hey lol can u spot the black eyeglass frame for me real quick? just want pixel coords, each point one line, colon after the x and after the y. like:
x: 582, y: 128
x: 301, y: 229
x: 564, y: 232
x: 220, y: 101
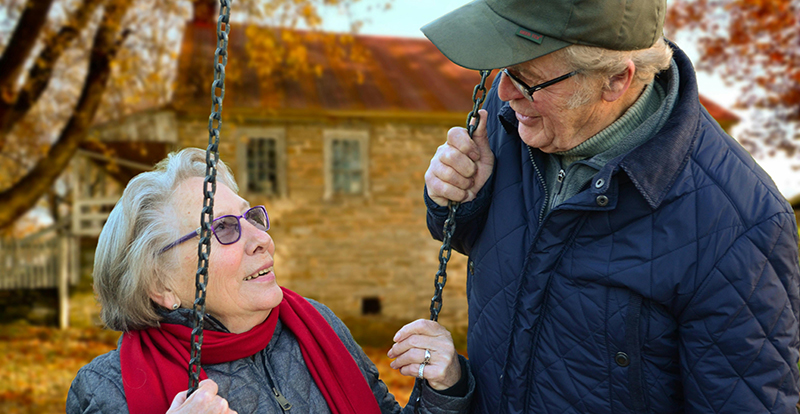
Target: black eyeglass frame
x: 528, y: 91
x: 196, y: 233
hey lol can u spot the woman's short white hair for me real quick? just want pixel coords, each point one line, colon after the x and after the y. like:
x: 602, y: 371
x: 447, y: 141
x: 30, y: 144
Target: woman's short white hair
x: 127, y: 263
x: 597, y: 65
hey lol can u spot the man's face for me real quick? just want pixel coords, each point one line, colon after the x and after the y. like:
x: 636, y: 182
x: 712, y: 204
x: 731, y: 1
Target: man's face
x: 549, y: 123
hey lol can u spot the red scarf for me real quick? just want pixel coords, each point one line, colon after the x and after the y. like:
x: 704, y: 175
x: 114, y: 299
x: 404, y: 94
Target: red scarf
x: 155, y: 360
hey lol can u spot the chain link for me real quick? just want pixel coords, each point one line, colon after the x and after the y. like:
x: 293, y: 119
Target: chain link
x: 450, y: 224
x: 209, y: 188
x: 452, y: 206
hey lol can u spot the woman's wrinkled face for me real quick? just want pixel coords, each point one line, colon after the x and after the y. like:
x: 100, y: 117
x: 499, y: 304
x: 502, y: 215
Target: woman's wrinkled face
x: 242, y: 289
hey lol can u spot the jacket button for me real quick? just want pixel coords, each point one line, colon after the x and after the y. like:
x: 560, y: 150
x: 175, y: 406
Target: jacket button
x: 601, y: 200
x: 622, y: 359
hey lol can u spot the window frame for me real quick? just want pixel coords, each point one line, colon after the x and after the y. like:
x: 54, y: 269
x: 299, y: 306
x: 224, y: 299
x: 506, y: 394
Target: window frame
x: 244, y: 135
x: 362, y: 137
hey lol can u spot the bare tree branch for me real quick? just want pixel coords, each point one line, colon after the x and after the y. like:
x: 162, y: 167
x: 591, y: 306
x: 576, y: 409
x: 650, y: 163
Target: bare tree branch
x: 41, y: 72
x: 23, y: 195
x: 20, y: 45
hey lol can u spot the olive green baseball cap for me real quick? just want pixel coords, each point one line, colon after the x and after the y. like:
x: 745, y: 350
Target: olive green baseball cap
x: 490, y: 34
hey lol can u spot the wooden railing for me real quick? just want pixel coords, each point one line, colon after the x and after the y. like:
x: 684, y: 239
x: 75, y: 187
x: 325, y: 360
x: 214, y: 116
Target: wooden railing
x: 44, y: 260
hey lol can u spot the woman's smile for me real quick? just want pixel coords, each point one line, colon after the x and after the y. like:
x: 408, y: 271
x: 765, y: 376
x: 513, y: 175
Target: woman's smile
x: 263, y: 275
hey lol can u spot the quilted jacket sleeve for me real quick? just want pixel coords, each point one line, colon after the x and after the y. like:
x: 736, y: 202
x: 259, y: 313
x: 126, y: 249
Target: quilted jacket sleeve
x: 470, y: 217
x: 739, y: 326
x: 97, y: 388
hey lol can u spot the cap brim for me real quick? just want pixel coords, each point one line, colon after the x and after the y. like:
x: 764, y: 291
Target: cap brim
x: 475, y: 37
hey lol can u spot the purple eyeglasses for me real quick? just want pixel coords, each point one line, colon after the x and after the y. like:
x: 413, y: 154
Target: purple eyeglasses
x: 228, y: 229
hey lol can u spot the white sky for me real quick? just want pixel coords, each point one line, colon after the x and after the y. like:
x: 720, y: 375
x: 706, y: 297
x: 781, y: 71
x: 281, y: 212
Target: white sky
x: 405, y: 17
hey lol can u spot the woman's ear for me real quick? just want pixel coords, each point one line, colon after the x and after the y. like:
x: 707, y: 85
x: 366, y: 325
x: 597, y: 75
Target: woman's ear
x: 619, y: 84
x: 164, y: 296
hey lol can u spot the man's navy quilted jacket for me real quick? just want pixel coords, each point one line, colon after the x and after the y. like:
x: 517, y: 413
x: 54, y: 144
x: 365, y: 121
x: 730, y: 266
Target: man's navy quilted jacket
x: 677, y: 295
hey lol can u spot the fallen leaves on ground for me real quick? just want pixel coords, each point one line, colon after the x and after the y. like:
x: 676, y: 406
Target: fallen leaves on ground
x: 400, y: 386
x: 37, y: 365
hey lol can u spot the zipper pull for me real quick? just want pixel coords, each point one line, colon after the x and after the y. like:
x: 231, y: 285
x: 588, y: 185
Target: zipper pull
x: 561, y: 175
x: 284, y: 403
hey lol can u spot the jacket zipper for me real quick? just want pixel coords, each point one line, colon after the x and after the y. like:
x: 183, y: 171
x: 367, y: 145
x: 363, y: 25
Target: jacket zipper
x: 284, y: 403
x: 280, y: 398
x: 544, y: 186
x: 543, y: 315
x: 557, y: 191
x: 540, y: 177
x: 546, y: 293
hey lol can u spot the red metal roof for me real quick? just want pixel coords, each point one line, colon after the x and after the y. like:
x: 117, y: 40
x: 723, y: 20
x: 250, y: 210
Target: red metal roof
x: 719, y: 113
x: 398, y: 74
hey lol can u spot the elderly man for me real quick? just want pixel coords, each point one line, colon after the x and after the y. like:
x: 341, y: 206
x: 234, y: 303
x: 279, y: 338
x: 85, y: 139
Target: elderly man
x: 625, y: 254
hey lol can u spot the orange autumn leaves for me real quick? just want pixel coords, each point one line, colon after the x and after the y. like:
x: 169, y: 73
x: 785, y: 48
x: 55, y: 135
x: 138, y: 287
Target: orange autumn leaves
x: 38, y: 364
x: 92, y: 67
x: 755, y: 44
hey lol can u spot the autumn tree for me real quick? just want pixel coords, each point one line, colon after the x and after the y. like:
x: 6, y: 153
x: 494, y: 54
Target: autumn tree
x: 66, y: 64
x: 755, y: 44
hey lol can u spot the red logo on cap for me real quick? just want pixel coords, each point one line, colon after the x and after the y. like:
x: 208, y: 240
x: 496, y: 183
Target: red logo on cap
x: 527, y: 34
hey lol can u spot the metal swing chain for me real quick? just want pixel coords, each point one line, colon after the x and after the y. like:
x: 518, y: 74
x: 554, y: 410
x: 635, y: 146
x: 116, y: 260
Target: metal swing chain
x: 452, y: 206
x: 450, y: 224
x: 209, y: 188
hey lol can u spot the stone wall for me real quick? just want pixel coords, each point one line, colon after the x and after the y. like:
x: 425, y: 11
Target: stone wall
x: 345, y: 249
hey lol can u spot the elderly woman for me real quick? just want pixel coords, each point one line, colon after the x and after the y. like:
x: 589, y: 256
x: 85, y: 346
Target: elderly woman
x: 265, y: 348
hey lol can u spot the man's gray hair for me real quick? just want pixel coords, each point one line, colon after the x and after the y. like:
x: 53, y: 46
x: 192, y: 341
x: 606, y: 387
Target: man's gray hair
x: 127, y: 263
x: 598, y: 65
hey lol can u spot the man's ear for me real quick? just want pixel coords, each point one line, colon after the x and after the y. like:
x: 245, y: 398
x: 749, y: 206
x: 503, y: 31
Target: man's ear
x: 619, y: 84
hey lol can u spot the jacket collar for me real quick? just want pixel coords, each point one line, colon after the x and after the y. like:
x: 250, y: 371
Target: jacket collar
x: 185, y: 317
x: 653, y: 166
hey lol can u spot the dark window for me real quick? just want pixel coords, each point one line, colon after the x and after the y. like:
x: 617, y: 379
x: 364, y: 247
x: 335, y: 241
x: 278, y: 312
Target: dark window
x: 262, y: 166
x: 347, y: 169
x: 371, y: 306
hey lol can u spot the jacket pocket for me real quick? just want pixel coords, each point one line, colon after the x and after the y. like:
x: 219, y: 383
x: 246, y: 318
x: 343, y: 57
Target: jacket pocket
x: 634, y: 347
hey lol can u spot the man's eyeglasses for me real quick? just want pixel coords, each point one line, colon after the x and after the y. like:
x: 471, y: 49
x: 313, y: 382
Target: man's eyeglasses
x: 528, y: 91
x: 228, y: 229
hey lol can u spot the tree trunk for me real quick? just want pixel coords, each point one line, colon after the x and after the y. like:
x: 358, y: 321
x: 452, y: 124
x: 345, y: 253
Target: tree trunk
x: 18, y: 48
x: 23, y: 195
x: 14, y: 105
x: 20, y: 45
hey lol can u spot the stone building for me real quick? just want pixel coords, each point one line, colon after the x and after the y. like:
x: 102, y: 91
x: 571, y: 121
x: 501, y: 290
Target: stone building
x: 337, y: 158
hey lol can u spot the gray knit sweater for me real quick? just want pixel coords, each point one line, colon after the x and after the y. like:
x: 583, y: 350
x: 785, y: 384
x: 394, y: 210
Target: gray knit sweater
x: 245, y: 383
x: 569, y: 172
